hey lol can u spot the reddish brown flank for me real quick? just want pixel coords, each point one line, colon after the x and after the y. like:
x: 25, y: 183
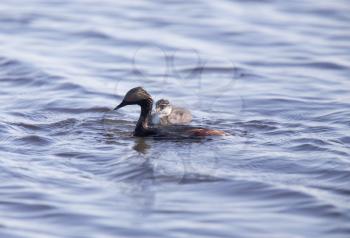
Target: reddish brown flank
x: 206, y: 132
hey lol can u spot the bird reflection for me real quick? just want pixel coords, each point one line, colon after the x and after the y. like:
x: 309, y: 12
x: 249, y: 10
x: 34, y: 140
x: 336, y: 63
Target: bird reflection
x: 141, y: 146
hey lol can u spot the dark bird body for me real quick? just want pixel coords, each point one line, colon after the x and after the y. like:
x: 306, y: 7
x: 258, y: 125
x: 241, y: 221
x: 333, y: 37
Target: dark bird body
x: 139, y: 96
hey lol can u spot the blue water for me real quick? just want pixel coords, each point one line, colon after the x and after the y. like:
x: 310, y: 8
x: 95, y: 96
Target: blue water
x: 273, y: 74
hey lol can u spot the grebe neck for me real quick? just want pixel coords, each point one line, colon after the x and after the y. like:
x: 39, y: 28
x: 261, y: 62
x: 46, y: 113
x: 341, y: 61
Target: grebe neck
x: 142, y: 128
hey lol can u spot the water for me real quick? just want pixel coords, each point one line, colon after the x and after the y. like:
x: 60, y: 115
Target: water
x: 274, y: 74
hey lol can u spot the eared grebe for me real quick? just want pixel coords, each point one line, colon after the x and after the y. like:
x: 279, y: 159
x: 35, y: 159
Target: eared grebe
x: 139, y: 96
x: 167, y: 114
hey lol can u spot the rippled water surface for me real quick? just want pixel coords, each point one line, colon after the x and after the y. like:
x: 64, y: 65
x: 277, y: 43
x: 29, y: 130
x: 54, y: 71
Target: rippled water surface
x: 273, y: 74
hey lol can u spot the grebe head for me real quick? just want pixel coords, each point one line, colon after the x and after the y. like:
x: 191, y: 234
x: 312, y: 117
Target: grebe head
x: 163, y: 107
x: 135, y: 96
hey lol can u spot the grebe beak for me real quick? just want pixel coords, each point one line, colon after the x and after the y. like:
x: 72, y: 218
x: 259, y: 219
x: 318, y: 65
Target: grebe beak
x: 122, y: 104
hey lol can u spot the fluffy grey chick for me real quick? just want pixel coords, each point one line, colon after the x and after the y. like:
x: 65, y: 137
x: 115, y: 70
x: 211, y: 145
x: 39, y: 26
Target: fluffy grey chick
x: 167, y: 114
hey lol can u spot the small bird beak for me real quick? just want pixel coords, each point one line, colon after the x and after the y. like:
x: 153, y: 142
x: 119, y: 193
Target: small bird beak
x: 122, y: 104
x: 157, y: 109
